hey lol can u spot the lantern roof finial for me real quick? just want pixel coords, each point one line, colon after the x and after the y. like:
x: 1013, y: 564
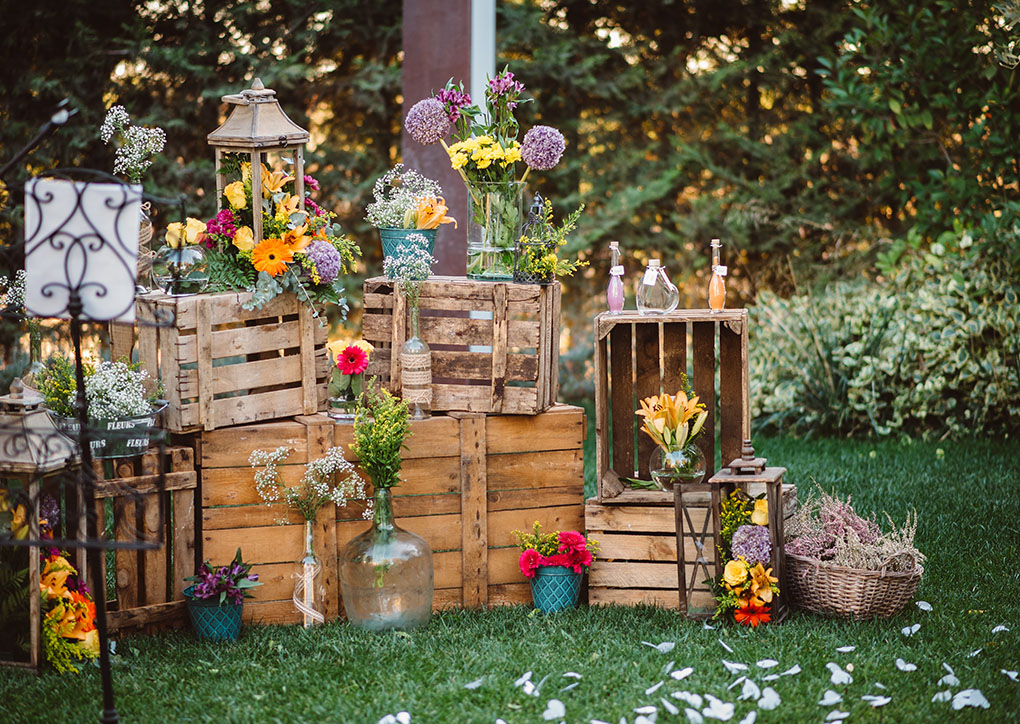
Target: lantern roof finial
x: 256, y: 121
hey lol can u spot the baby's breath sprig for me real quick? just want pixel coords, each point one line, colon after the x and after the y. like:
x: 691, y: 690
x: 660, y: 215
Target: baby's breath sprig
x: 138, y: 144
x: 411, y: 265
x: 329, y: 479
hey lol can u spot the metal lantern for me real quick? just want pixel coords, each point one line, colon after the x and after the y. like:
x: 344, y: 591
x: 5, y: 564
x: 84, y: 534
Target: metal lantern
x: 257, y: 126
x: 742, y: 472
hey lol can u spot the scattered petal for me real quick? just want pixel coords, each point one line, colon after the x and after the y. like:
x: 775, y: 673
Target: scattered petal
x: 970, y: 697
x: 879, y: 685
x: 529, y: 689
x: 668, y: 706
x: 1010, y: 674
x: 694, y: 716
x: 750, y: 690
x: 734, y: 667
x: 846, y: 649
x: 403, y: 717
x: 942, y: 696
x: 652, y: 689
x: 876, y: 701
x: 924, y: 605
x: 682, y: 673
x: 910, y: 630
x: 769, y: 699
x: 572, y: 675
x: 999, y: 629
x: 767, y: 663
x: 708, y: 626
x: 795, y: 669
x: 974, y: 653
x: 948, y: 668
x: 388, y: 719
x: 475, y: 684
x: 568, y: 687
x: 694, y: 700
x: 642, y: 719
x: 649, y: 709
x: 948, y: 680
x: 664, y: 648
x: 750, y: 718
x: 770, y: 677
x: 838, y: 675
x: 593, y: 721
x: 554, y: 709
x: 830, y: 698
x: 526, y: 676
x: 718, y: 709
x: 668, y: 667
x: 904, y: 666
x: 503, y: 721
x: 725, y: 645
x: 737, y: 682
x: 837, y: 715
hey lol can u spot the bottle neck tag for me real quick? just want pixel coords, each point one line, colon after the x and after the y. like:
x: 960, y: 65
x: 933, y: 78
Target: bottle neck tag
x: 649, y: 278
x: 616, y: 271
x: 721, y: 270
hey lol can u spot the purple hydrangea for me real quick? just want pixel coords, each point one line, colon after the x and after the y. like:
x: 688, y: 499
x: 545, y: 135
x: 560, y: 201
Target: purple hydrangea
x: 326, y: 260
x: 543, y: 147
x: 753, y: 543
x: 427, y: 121
x: 453, y: 100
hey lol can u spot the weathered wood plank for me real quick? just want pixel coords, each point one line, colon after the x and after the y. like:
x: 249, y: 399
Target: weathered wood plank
x: 622, y: 399
x: 184, y: 563
x: 474, y: 531
x: 647, y: 383
x: 703, y: 338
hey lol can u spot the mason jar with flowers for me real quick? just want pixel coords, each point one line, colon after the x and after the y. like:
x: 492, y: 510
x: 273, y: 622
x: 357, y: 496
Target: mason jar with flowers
x: 485, y: 153
x: 554, y: 564
x: 405, y: 203
x: 350, y: 360
x: 674, y: 422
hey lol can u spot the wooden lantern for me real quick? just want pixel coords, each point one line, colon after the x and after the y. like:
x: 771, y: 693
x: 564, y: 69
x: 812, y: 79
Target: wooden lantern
x: 257, y: 126
x: 740, y: 473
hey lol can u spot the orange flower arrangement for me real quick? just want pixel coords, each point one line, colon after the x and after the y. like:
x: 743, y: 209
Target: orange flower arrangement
x: 272, y: 256
x: 752, y: 615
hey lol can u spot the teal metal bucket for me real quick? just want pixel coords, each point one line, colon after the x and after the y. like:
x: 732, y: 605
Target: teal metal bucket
x: 555, y: 588
x: 210, y: 620
x: 392, y: 238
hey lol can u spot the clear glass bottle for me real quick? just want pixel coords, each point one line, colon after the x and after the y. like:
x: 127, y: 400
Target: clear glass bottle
x: 386, y: 574
x: 717, y: 285
x: 416, y: 372
x: 656, y: 294
x: 309, y: 592
x: 615, y: 293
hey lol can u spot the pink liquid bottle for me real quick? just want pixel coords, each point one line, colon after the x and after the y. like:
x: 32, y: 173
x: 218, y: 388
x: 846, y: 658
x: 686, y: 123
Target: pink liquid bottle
x: 614, y: 295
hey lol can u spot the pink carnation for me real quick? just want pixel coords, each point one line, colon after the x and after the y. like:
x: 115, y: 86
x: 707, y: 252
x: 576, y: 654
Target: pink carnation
x: 530, y: 560
x: 571, y: 541
x: 557, y: 559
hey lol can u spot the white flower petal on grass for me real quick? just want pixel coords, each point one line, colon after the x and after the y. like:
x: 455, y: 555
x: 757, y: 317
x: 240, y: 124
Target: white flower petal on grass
x: 838, y: 675
x: 846, y: 649
x: 403, y: 717
x: 770, y: 677
x: 718, y: 709
x: 970, y: 697
x: 830, y: 698
x: 694, y: 700
x: 388, y: 719
x: 750, y: 690
x: 682, y: 673
x: 910, y: 630
x: 942, y: 696
x: 725, y: 645
x: 529, y: 688
x: 734, y: 666
x: 707, y: 626
x: 526, y: 676
x: 649, y: 709
x: 751, y: 717
x: 923, y: 605
x: 876, y: 701
x: 795, y: 669
x: 1011, y: 674
x: 642, y: 719
x: 475, y: 684
x: 879, y: 685
x: 767, y: 663
x: 664, y: 648
x: 737, y: 682
x: 769, y: 699
x: 667, y: 668
x: 593, y: 721
x: 568, y: 687
x: 572, y: 675
x: 654, y: 688
x: 904, y: 666
x: 837, y: 715
x: 668, y: 706
x: 694, y: 716
x: 554, y: 709
x: 974, y: 653
x: 503, y: 721
x: 948, y: 680
x: 948, y: 668
x: 1001, y: 628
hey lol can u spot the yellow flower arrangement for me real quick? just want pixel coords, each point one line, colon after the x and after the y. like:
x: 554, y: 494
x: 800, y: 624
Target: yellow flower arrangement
x: 672, y: 421
x: 236, y: 195
x: 179, y: 233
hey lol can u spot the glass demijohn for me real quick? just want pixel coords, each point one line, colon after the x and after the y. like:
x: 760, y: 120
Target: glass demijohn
x: 678, y: 465
x: 656, y: 294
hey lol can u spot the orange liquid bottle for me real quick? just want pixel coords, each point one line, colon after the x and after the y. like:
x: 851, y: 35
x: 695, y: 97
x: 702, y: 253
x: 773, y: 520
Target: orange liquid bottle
x: 717, y: 286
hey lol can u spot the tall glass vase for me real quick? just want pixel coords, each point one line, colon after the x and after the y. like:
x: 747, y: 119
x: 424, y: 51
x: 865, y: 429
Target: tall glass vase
x: 386, y: 574
x: 416, y: 372
x: 494, y: 226
x: 308, y: 589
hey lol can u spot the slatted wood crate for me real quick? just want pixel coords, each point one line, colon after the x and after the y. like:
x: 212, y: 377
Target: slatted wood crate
x: 638, y: 562
x: 469, y: 481
x: 637, y: 356
x: 504, y: 363
x: 222, y: 365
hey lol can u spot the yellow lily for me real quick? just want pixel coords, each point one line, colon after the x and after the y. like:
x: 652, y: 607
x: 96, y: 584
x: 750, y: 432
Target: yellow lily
x: 295, y: 239
x: 53, y: 580
x: 431, y: 212
x: 273, y: 181
x: 761, y: 584
x: 288, y: 205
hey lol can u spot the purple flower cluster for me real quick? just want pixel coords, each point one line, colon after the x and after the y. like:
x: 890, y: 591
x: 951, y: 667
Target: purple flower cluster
x: 325, y: 259
x: 223, y: 224
x: 311, y: 183
x: 453, y: 100
x: 543, y: 147
x: 49, y: 515
x: 504, y: 83
x: 222, y: 582
x: 753, y: 543
x: 837, y: 523
x: 314, y: 208
x: 427, y: 121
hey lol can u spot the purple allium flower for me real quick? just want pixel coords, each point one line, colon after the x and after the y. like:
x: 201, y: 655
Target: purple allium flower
x: 453, y: 100
x: 427, y: 121
x: 311, y: 183
x: 504, y: 83
x: 752, y: 542
x: 326, y: 260
x: 543, y: 147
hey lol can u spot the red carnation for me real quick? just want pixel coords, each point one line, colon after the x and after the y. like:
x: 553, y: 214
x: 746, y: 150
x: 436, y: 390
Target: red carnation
x: 571, y: 541
x: 557, y: 559
x: 352, y: 361
x: 530, y: 560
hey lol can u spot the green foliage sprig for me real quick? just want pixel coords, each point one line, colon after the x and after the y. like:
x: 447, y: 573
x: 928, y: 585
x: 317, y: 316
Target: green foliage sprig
x: 546, y: 544
x: 56, y: 382
x: 539, y: 255
x: 381, y: 424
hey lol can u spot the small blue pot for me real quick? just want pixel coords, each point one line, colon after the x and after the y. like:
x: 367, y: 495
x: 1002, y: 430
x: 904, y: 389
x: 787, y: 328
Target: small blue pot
x: 555, y: 588
x: 392, y: 238
x: 210, y: 620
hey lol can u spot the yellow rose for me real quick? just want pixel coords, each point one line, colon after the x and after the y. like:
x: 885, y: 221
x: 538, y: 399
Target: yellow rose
x: 235, y: 195
x: 760, y: 516
x: 193, y: 229
x: 178, y: 233
x: 244, y: 239
x: 735, y: 573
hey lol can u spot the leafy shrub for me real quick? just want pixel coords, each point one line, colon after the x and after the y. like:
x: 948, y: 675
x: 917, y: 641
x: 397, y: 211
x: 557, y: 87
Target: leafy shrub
x: 932, y: 350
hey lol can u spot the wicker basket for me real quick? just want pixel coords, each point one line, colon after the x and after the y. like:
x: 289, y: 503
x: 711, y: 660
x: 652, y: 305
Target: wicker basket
x: 849, y: 592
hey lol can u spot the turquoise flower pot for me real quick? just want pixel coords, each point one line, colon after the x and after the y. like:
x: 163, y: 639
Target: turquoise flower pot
x: 392, y: 238
x: 555, y: 588
x: 210, y: 620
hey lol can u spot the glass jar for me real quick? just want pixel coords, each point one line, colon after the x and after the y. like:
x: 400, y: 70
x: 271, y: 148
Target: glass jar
x: 677, y: 465
x: 416, y: 372
x: 656, y: 294
x: 386, y: 574
x: 309, y: 593
x: 496, y: 215
x: 180, y: 271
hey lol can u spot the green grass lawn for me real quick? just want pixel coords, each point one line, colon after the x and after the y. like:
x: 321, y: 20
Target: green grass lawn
x: 967, y: 496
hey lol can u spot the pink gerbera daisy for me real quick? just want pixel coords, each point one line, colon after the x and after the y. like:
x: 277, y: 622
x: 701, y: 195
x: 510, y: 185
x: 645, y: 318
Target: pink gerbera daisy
x: 352, y: 361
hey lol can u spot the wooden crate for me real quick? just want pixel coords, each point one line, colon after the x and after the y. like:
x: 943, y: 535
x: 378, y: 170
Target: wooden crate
x: 638, y: 560
x: 222, y: 365
x: 469, y: 480
x: 637, y: 356
x: 505, y: 363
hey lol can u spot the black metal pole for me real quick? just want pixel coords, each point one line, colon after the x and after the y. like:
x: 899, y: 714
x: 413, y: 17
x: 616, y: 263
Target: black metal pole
x: 75, y: 308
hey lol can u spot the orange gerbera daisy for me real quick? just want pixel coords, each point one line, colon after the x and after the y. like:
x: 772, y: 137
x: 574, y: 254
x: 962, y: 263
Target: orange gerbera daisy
x: 752, y: 615
x: 272, y: 257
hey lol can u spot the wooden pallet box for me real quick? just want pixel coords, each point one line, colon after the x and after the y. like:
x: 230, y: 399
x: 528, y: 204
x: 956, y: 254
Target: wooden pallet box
x: 223, y: 365
x: 469, y: 480
x: 503, y: 363
x: 637, y: 356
